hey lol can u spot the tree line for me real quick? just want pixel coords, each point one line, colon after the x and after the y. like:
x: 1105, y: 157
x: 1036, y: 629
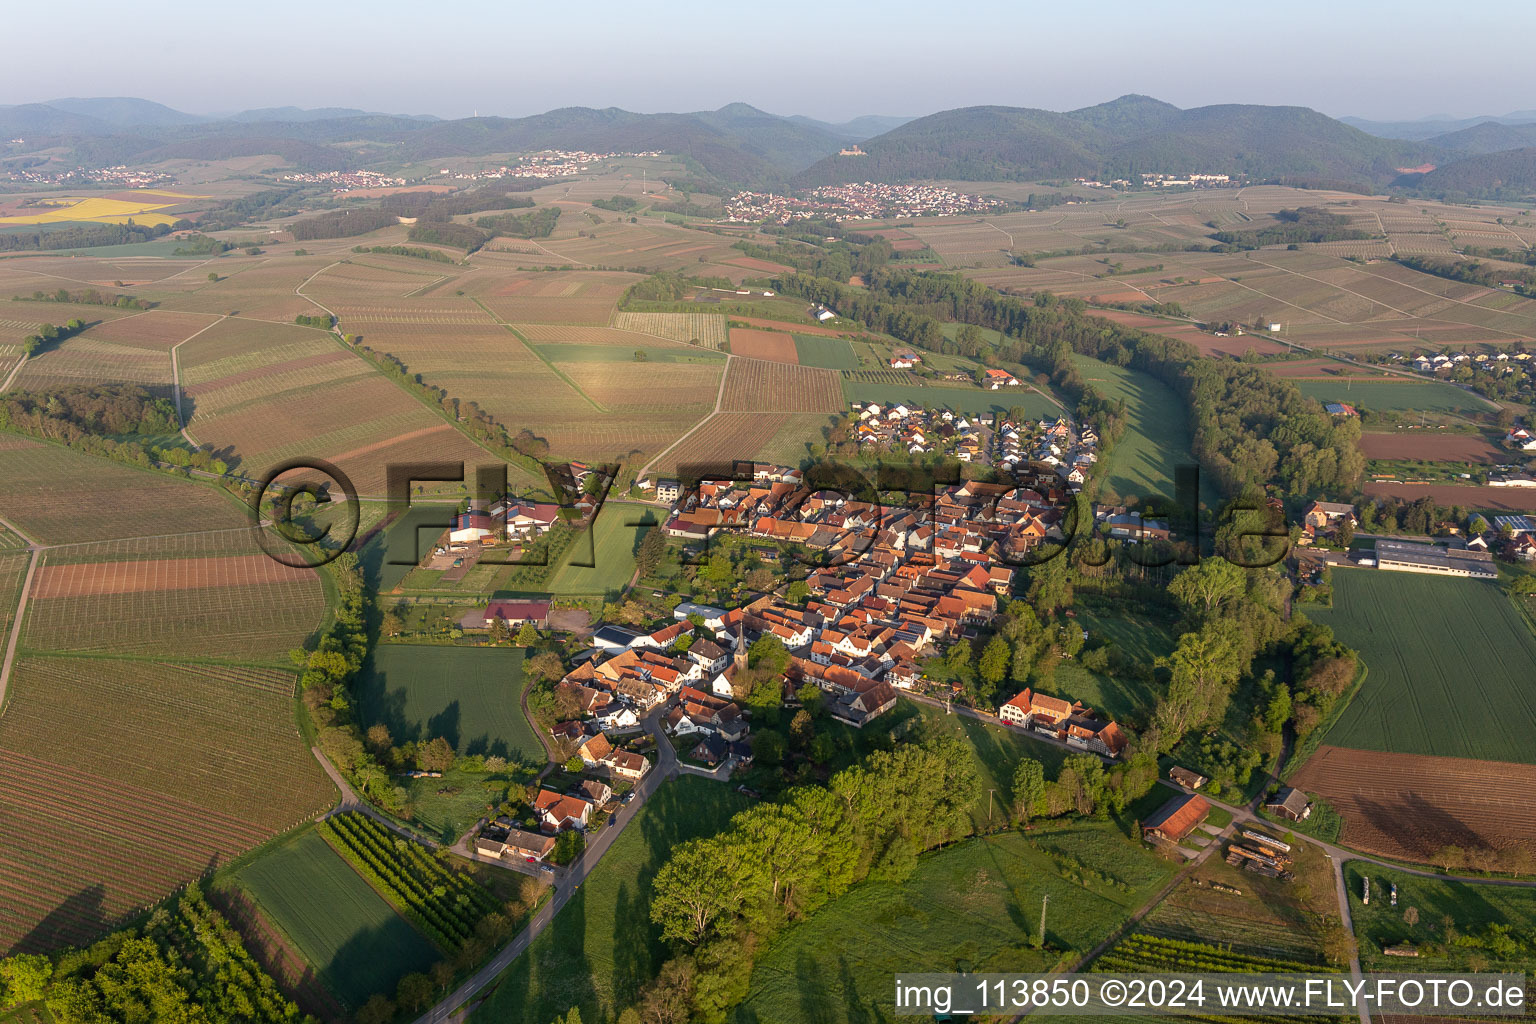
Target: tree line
x: 88, y: 297
x: 1303, y: 224
x: 1250, y: 428
x: 85, y: 236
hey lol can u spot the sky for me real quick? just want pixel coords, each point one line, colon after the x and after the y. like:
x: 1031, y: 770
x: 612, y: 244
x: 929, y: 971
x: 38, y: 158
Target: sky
x: 1367, y: 58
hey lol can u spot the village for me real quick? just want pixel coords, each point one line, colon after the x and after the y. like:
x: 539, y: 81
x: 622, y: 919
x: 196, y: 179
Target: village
x: 864, y: 201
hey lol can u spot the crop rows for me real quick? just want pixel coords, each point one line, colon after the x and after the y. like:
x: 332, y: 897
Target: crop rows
x: 444, y: 904
x: 226, y: 619
x: 1152, y: 954
x: 754, y: 385
x: 55, y: 495
x: 707, y: 328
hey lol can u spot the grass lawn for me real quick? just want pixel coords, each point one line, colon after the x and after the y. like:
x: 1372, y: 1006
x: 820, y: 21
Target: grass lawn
x: 601, y: 561
x: 997, y: 752
x: 1141, y: 638
x: 356, y: 942
x: 1451, y: 663
x: 602, y: 947
x: 969, y: 400
x: 467, y: 695
x: 827, y: 353
x: 1394, y: 395
x: 1471, y: 907
x: 1157, y: 436
x: 970, y: 907
x: 449, y: 806
x: 390, y: 558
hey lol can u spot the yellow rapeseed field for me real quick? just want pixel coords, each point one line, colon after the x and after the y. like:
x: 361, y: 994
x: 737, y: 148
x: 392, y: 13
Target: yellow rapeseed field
x: 100, y: 211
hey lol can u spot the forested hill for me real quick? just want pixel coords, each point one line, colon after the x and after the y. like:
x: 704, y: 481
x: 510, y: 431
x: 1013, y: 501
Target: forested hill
x: 1127, y: 136
x: 1487, y: 175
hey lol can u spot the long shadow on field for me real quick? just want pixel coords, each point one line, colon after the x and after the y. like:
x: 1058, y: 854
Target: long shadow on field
x: 74, y: 922
x: 633, y: 943
x: 445, y: 724
x: 860, y: 1011
x: 815, y: 997
x: 1433, y: 828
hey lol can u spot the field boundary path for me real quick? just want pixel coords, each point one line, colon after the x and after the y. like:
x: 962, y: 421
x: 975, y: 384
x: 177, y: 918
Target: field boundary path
x: 455, y: 1006
x: 719, y: 400
x: 176, y: 376
x: 351, y: 803
x: 10, y: 377
x: 36, y: 551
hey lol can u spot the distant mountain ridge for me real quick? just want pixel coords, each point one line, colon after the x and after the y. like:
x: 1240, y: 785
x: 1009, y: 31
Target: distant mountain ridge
x: 1429, y: 127
x: 739, y: 144
x: 1129, y: 135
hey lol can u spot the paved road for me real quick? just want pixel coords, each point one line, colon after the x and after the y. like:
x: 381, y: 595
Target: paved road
x: 455, y: 1006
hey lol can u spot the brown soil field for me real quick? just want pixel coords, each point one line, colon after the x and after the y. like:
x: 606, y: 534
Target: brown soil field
x: 1321, y: 369
x: 1447, y: 448
x: 756, y: 385
x: 1410, y: 806
x: 157, y: 329
x: 763, y: 345
x: 785, y: 325
x: 1511, y: 499
x: 161, y: 574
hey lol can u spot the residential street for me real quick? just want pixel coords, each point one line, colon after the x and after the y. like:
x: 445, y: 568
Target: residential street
x: 454, y: 1006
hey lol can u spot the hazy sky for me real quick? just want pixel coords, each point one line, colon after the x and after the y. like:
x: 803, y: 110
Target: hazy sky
x: 1406, y: 59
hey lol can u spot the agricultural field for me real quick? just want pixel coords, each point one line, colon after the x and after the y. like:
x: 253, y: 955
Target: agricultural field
x: 1157, y: 437
x: 558, y: 297
x: 171, y: 748
x: 256, y: 607
x: 148, y: 207
x: 443, y: 903
x: 1289, y: 920
x: 1410, y: 806
x: 470, y: 696
x: 13, y: 572
x: 1494, y: 499
x: 1399, y: 395
x: 827, y: 353
x: 273, y: 393
x: 727, y: 437
x: 54, y: 495
x: 756, y: 385
x: 602, y: 946
x: 1421, y: 638
x: 751, y: 343
x: 1470, y: 907
x: 969, y: 907
x: 355, y: 941
x: 708, y: 329
x: 1418, y: 444
x: 601, y: 560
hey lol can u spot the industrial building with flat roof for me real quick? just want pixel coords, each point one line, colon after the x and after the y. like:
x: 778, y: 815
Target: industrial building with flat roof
x: 1434, y: 560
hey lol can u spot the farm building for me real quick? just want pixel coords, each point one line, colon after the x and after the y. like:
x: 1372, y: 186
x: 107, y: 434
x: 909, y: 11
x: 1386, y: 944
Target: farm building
x: 1000, y: 379
x: 1177, y: 818
x: 904, y: 359
x: 515, y: 613
x: 1434, y: 560
x: 1290, y: 803
x: 472, y: 528
x: 1185, y: 777
x: 503, y: 840
x: 1343, y: 409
